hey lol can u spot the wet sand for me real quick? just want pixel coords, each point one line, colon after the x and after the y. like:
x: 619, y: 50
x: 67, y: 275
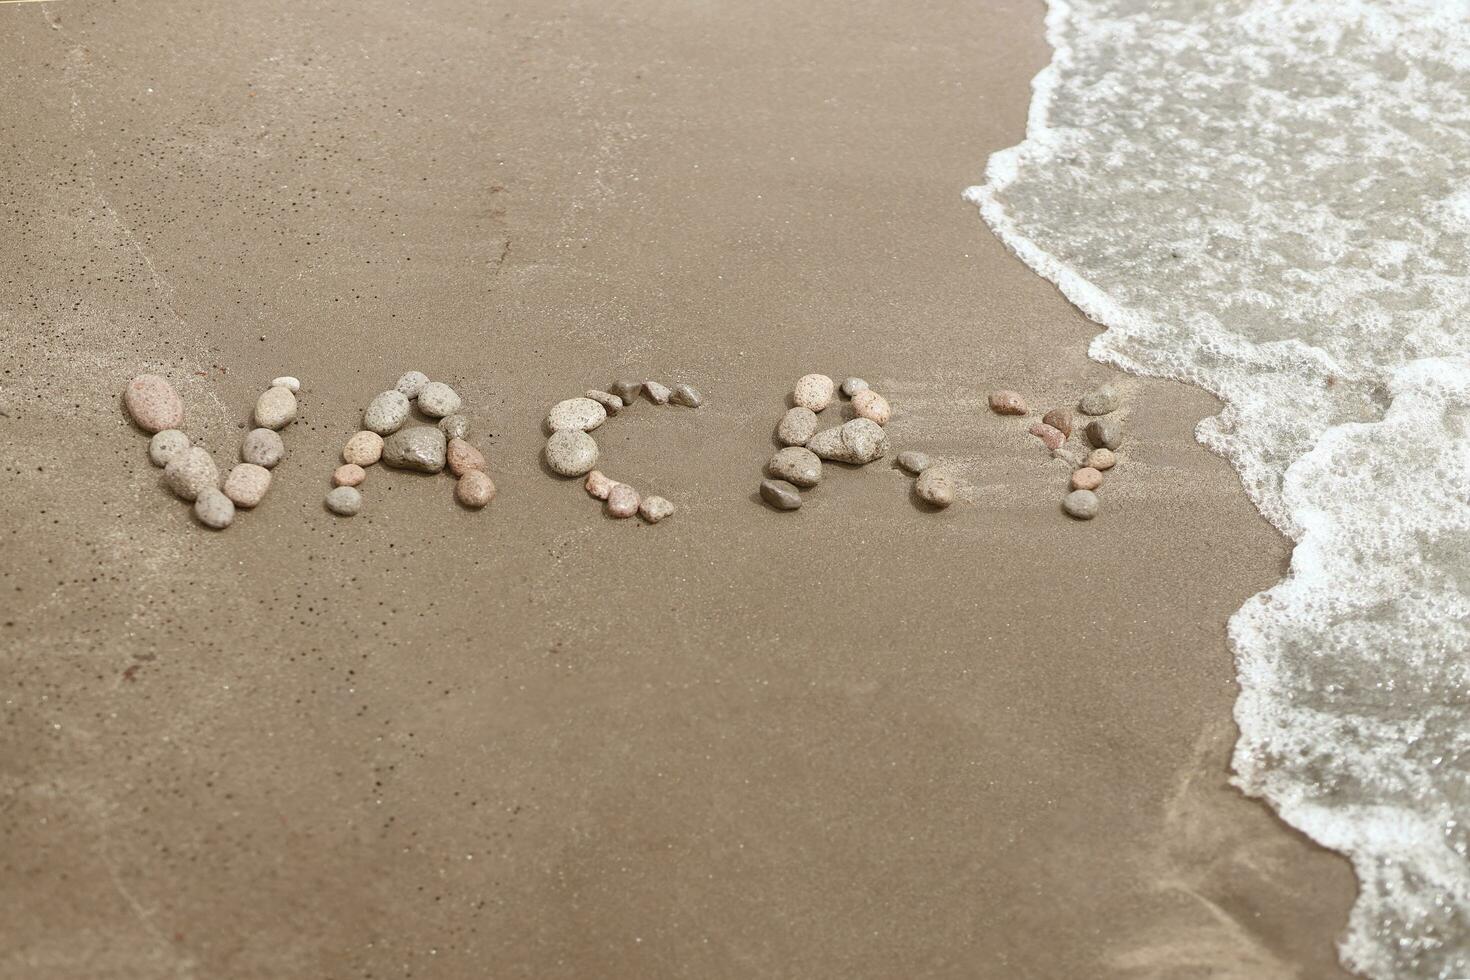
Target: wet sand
x: 857, y: 741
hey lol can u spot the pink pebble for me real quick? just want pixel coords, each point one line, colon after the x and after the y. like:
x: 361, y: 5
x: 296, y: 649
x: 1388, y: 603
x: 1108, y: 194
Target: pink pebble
x: 1048, y: 434
x: 153, y: 403
x: 348, y: 475
x: 1007, y: 403
x: 869, y: 404
x: 599, y: 485
x: 1086, y: 478
x: 474, y: 489
x: 622, y: 501
x: 463, y: 457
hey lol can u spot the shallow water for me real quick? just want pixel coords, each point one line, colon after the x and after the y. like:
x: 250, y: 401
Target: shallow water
x: 1271, y: 200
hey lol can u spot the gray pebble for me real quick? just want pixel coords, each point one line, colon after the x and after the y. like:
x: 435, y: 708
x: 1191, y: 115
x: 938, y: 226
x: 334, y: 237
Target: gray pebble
x: 626, y: 390
x: 191, y: 472
x: 437, y: 400
x: 797, y: 426
x: 419, y: 447
x: 571, y: 452
x: 612, y: 404
x: 1081, y: 504
x: 386, y: 413
x: 455, y: 426
x: 346, y: 501
x: 780, y: 494
x: 796, y: 465
x: 851, y: 386
x: 657, y: 393
x: 915, y: 462
x: 263, y: 447
x: 167, y: 444
x: 412, y: 383
x: 686, y: 394
x: 1100, y: 401
x: 1105, y: 433
x: 655, y: 509
x: 858, y: 441
x: 576, y: 413
x: 935, y: 487
x: 214, y: 509
x: 275, y: 408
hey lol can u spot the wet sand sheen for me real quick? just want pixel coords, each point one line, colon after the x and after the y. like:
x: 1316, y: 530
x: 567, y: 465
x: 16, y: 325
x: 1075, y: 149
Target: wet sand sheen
x: 856, y: 741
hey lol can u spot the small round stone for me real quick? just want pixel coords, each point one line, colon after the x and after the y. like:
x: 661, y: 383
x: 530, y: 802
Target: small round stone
x: 286, y: 381
x: 1100, y: 401
x: 345, y: 501
x: 1052, y: 437
x: 153, y: 404
x: 386, y: 413
x: 797, y: 465
x: 851, y: 386
x: 686, y: 394
x: 464, y: 458
x: 571, y: 452
x: 263, y: 447
x: 780, y: 494
x: 657, y: 393
x: 599, y: 484
x: 436, y: 400
x: 275, y: 408
x: 797, y: 426
x: 365, y: 448
x: 418, y: 447
x: 655, y: 509
x: 626, y: 390
x: 167, y: 444
x: 455, y: 426
x: 622, y: 501
x: 474, y: 489
x: 247, y: 483
x: 914, y: 461
x: 214, y: 509
x: 935, y: 487
x: 348, y: 475
x: 412, y: 383
x: 1059, y: 419
x: 813, y: 391
x: 870, y: 405
x: 190, y: 473
x: 1007, y: 403
x: 1105, y: 433
x: 1081, y: 504
x: 576, y: 413
x: 613, y: 404
x: 1101, y: 459
x: 1086, y: 478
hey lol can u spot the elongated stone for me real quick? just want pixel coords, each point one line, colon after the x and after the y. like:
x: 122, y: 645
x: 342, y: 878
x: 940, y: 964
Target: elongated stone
x: 153, y: 404
x: 419, y: 447
x: 780, y: 494
x: 796, y: 465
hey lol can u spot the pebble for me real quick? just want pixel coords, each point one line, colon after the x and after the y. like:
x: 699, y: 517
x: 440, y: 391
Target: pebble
x: 153, y: 403
x: 797, y: 426
x: 348, y: 475
x: 813, y: 391
x: 686, y: 394
x: 167, y: 444
x: 1105, y: 433
x: 286, y: 381
x: 612, y: 404
x: 1101, y: 459
x: 191, y: 472
x: 655, y: 509
x: 455, y: 426
x: 436, y: 400
x: 346, y: 501
x: 386, y: 413
x: 464, y: 458
x: 599, y: 484
x: 870, y: 405
x: 474, y: 489
x: 571, y: 452
x: 275, y: 408
x: 247, y: 483
x: 626, y: 390
x: 1081, y: 504
x: 1007, y: 403
x: 263, y: 447
x: 935, y: 487
x: 796, y: 465
x: 859, y: 441
x: 576, y: 413
x: 657, y: 393
x: 1086, y: 478
x: 1100, y: 401
x: 1059, y: 419
x: 851, y: 386
x: 622, y: 501
x: 365, y: 448
x: 780, y: 494
x: 412, y: 383
x: 915, y: 462
x: 419, y: 447
x: 214, y: 509
x: 1053, y: 437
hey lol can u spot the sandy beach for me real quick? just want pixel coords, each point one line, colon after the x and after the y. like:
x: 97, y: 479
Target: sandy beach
x: 861, y: 740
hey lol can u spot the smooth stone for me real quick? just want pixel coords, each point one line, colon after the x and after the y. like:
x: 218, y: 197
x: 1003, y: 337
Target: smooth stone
x: 622, y: 501
x: 247, y: 483
x: 1053, y: 437
x: 474, y: 489
x: 214, y: 509
x: 263, y: 447
x: 411, y: 384
x: 436, y: 400
x: 464, y: 458
x: 657, y: 393
x: 915, y: 462
x: 1086, y: 478
x: 1105, y: 433
x: 869, y: 404
x: 797, y: 465
x: 345, y: 501
x: 865, y: 440
x: 1101, y: 459
x: 419, y: 447
x: 153, y: 404
x: 1100, y: 401
x: 275, y: 408
x: 190, y: 473
x: 1081, y: 504
x: 813, y: 391
x: 851, y: 386
x: 1007, y: 403
x: 797, y: 426
x: 599, y: 484
x: 612, y: 404
x: 1059, y: 419
x: 626, y: 390
x: 655, y: 509
x: 780, y: 494
x: 348, y: 475
x: 576, y: 413
x: 686, y: 394
x: 935, y: 487
x: 286, y: 381
x: 386, y: 413
x: 571, y: 452
x: 167, y: 444
x: 455, y: 426
x: 365, y: 448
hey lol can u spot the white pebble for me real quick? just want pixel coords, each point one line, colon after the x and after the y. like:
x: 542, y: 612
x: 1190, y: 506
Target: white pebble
x: 165, y: 445
x: 412, y: 383
x: 214, y: 509
x: 437, y: 400
x: 286, y: 381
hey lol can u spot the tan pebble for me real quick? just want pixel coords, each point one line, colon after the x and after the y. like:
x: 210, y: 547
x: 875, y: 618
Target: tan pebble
x: 275, y: 408
x: 153, y: 404
x: 1059, y: 419
x: 348, y: 475
x: 622, y: 501
x: 655, y: 509
x: 1007, y: 403
x: 463, y: 457
x: 1086, y: 478
x: 935, y: 487
x: 813, y: 391
x: 474, y: 489
x: 599, y: 485
x: 214, y: 509
x: 363, y: 449
x: 190, y: 473
x: 869, y: 404
x: 247, y: 483
x: 1050, y: 435
x: 1101, y: 459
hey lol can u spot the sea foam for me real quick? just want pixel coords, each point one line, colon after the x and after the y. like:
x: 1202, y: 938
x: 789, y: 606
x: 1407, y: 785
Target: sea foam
x: 1271, y: 200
